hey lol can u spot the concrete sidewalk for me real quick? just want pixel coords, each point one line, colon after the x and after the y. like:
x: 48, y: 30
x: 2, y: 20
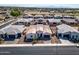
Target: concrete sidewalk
x: 31, y: 45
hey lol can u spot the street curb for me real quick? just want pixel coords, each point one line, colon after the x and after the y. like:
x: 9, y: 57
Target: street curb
x: 31, y: 45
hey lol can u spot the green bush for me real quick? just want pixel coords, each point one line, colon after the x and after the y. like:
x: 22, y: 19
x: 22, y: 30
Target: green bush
x: 15, y: 12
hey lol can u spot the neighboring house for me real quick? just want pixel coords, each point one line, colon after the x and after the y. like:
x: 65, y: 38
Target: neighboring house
x: 48, y: 16
x: 27, y: 16
x: 68, y: 17
x: 58, y: 16
x: 54, y: 21
x: 11, y: 32
x: 67, y: 32
x: 40, y: 21
x: 23, y: 21
x: 38, y: 16
x: 69, y: 21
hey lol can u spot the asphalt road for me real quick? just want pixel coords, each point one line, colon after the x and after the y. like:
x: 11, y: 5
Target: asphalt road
x: 4, y: 25
x: 40, y: 50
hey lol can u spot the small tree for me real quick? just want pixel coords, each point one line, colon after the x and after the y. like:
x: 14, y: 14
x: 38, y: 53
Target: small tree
x: 15, y: 12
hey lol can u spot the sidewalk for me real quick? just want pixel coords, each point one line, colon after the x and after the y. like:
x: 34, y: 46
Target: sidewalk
x: 32, y: 45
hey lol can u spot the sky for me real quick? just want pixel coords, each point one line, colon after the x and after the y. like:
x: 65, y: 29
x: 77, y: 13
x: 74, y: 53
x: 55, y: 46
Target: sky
x: 41, y: 3
x: 44, y: 5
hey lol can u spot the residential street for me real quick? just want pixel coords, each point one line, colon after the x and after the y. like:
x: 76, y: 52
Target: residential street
x: 40, y: 50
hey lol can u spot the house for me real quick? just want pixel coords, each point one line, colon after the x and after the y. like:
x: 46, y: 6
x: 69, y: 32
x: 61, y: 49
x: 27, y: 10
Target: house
x: 30, y: 34
x: 19, y: 29
x: 38, y: 16
x: 58, y: 16
x: 52, y: 21
x: 68, y: 17
x: 67, y: 32
x: 11, y: 32
x: 46, y: 32
x: 39, y: 31
x: 69, y: 21
x: 40, y: 21
x: 27, y: 16
x: 48, y: 16
x: 23, y: 21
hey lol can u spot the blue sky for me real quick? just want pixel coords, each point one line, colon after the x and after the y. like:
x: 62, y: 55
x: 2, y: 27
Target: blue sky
x: 44, y: 5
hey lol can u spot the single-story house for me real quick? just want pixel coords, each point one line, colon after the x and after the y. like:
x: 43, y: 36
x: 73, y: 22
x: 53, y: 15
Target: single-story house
x: 54, y: 21
x: 27, y: 16
x: 48, y: 16
x: 46, y: 32
x: 67, y: 32
x: 38, y: 16
x: 68, y: 17
x: 69, y: 21
x: 58, y: 16
x: 40, y: 21
x: 23, y: 21
x: 39, y: 31
x: 11, y: 32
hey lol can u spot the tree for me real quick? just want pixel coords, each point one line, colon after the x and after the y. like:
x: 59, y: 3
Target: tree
x: 15, y: 12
